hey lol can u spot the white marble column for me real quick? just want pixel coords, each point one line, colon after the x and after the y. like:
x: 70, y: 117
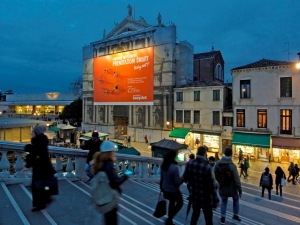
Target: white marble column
x: 130, y: 116
x: 146, y: 115
x: 151, y: 116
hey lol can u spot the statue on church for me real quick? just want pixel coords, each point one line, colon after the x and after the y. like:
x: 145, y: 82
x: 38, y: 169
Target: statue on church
x: 159, y: 19
x: 104, y: 33
x: 129, y: 10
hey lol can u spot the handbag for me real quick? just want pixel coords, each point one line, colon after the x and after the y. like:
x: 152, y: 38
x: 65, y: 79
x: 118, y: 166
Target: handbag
x: 161, y: 207
x: 103, y: 196
x: 50, y: 185
x: 283, y: 183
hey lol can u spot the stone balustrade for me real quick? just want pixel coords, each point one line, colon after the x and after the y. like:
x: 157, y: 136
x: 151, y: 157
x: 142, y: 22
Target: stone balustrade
x: 137, y: 167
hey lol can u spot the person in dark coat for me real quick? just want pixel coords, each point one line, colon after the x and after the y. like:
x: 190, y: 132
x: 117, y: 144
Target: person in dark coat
x: 203, y: 192
x: 170, y: 182
x: 38, y: 158
x: 268, y: 186
x: 240, y: 155
x: 104, y: 161
x: 292, y: 173
x: 279, y: 174
x: 93, y: 145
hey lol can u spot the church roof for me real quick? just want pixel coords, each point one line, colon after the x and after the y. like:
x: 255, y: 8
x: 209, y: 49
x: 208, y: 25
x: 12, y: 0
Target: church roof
x: 201, y: 83
x: 206, y: 55
x: 264, y: 63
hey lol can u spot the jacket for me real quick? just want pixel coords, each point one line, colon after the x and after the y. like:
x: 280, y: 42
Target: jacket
x: 279, y: 174
x: 270, y: 178
x: 93, y: 147
x: 199, y: 176
x: 234, y: 187
x: 170, y: 179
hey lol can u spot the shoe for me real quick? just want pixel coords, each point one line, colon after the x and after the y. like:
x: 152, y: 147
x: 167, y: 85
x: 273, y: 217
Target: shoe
x: 222, y: 220
x: 237, y: 218
x: 38, y: 208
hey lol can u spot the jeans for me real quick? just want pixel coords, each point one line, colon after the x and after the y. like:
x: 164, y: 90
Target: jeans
x: 175, y: 204
x: 236, y: 205
x: 293, y: 178
x: 87, y: 169
x: 208, y: 214
x: 111, y: 217
x: 263, y: 192
x: 280, y: 189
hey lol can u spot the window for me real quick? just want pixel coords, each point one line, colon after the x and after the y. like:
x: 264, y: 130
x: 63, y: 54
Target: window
x: 245, y: 88
x: 196, y: 117
x: 262, y: 118
x: 285, y: 87
x: 219, y: 72
x: 216, y: 117
x: 216, y: 95
x: 179, y: 116
x: 187, y: 116
x: 179, y: 96
x: 240, y: 117
x: 285, y: 121
x: 196, y: 96
x: 227, y: 121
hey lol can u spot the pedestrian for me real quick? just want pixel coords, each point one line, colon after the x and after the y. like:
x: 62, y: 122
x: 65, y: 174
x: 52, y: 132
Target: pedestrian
x: 203, y: 193
x: 93, y: 145
x: 217, y: 158
x: 297, y: 171
x: 125, y: 142
x: 128, y: 141
x: 292, y: 173
x: 104, y: 161
x: 229, y: 185
x: 266, y: 182
x: 146, y: 139
x: 279, y: 175
x: 246, y: 165
x: 240, y: 155
x: 170, y: 182
x: 212, y: 163
x: 242, y: 168
x: 38, y: 158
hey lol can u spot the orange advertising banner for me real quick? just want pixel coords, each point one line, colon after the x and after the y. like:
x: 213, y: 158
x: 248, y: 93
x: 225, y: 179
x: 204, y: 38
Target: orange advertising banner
x: 124, y: 78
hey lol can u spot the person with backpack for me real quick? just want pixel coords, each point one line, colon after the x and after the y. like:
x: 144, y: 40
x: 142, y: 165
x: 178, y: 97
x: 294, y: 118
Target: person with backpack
x: 229, y: 182
x: 266, y: 182
x: 203, y: 194
x: 279, y: 175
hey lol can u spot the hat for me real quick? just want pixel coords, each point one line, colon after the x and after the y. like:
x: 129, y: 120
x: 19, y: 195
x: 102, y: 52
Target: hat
x: 95, y: 134
x: 228, y: 152
x: 39, y: 129
x: 108, y: 146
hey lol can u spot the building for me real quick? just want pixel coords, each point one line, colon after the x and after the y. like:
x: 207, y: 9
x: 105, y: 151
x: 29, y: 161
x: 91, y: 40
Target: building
x: 266, y: 106
x: 128, y: 79
x: 203, y: 115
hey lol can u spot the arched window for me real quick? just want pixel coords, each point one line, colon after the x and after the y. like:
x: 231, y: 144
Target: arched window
x: 219, y: 72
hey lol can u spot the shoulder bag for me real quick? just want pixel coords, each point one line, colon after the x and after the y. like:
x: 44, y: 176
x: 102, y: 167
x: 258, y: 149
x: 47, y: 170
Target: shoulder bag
x: 161, y: 207
x: 283, y: 183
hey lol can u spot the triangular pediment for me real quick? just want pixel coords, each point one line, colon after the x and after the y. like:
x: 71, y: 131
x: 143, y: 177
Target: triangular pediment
x: 127, y: 25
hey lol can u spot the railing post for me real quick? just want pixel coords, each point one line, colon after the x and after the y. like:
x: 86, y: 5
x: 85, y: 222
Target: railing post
x: 79, y: 168
x: 144, y: 173
x: 19, y: 166
x: 4, y: 165
x: 70, y: 168
x: 58, y: 167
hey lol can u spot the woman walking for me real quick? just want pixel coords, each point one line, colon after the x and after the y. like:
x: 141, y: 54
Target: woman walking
x: 266, y: 182
x: 279, y: 175
x: 104, y: 161
x: 42, y: 169
x: 169, y: 185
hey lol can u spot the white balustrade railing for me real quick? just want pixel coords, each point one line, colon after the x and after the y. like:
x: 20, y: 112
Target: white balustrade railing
x: 137, y: 167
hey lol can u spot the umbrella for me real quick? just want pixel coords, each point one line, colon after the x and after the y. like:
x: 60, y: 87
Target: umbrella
x: 189, y: 206
x: 54, y: 128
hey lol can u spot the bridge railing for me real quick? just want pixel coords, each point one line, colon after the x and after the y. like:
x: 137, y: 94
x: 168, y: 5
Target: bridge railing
x: 137, y: 167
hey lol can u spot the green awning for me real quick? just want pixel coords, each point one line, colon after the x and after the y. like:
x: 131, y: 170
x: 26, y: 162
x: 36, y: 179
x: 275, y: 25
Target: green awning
x: 54, y: 128
x: 179, y: 132
x: 251, y: 139
x: 128, y: 151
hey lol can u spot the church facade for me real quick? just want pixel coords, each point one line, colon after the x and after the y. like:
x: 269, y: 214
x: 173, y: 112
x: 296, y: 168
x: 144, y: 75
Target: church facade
x: 135, y: 57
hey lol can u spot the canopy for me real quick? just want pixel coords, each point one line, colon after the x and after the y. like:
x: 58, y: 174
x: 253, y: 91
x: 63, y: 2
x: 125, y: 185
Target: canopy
x: 129, y: 151
x: 282, y: 142
x: 251, y: 139
x: 167, y: 144
x: 179, y: 132
x: 67, y: 127
x: 54, y: 128
x: 89, y: 135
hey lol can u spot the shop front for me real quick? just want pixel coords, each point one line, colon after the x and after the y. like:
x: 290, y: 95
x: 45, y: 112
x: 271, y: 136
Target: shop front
x: 181, y: 136
x: 255, y: 145
x: 286, y: 149
x: 210, y: 139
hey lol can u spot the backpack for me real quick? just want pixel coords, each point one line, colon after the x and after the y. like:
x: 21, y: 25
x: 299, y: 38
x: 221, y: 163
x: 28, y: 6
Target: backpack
x: 223, y: 174
x: 265, y: 180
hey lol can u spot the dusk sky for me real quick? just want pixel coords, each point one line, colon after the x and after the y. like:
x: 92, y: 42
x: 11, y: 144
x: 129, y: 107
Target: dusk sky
x: 41, y: 41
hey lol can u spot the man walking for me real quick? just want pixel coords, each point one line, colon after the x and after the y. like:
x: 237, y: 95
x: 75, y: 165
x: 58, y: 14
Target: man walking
x: 93, y: 145
x: 203, y: 192
x: 229, y: 184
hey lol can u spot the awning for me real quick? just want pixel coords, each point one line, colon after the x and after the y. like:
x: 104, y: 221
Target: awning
x: 129, y: 151
x: 179, y: 132
x: 209, y: 132
x: 89, y: 135
x: 54, y: 128
x: 281, y: 142
x: 251, y: 139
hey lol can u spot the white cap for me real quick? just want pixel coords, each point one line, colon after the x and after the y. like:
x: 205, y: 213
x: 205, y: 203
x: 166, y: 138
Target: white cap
x: 108, y: 146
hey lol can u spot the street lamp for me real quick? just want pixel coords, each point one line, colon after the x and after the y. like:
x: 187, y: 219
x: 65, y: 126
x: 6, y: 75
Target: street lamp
x: 168, y: 123
x: 298, y: 64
